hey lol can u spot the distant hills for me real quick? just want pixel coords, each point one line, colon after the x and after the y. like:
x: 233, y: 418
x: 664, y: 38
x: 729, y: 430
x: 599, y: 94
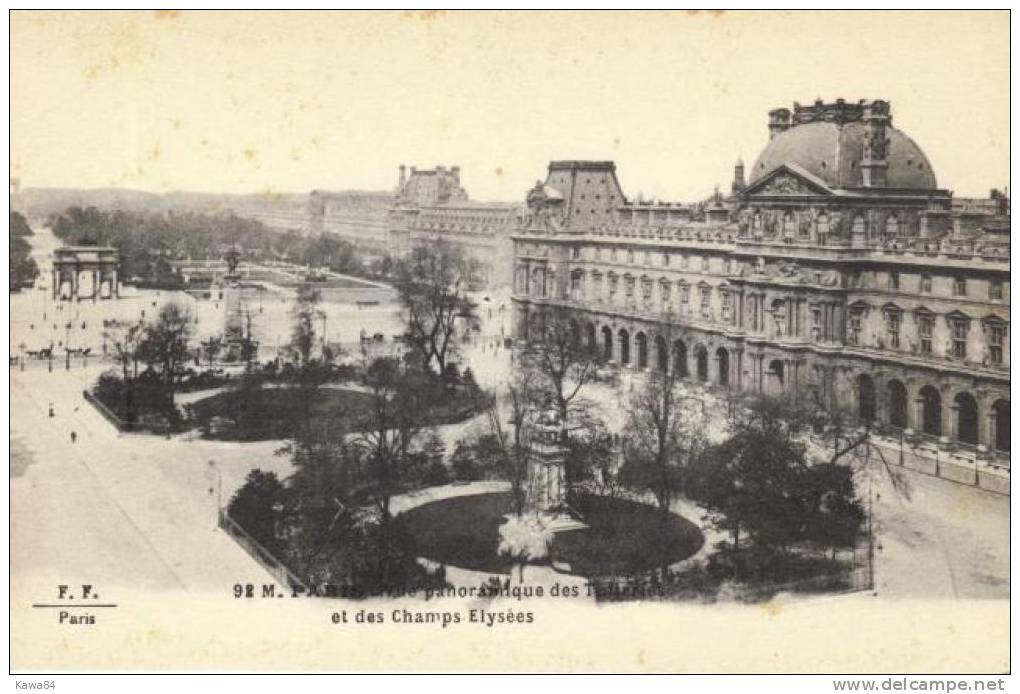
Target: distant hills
x: 41, y: 202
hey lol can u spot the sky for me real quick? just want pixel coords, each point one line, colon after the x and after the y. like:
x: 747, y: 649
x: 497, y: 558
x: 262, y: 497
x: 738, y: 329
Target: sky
x: 290, y: 102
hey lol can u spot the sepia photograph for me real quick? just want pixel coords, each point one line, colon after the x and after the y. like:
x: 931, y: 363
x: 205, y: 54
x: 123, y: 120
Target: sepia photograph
x: 511, y: 342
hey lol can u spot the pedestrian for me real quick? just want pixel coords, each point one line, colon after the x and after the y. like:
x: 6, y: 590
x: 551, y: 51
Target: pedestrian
x: 74, y: 436
x: 51, y: 410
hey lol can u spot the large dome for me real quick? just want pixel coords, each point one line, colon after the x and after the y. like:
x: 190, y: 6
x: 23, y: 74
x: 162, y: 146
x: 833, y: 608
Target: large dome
x: 833, y: 151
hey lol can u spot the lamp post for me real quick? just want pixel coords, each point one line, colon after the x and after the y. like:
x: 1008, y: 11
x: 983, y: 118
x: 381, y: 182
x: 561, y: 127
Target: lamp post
x: 214, y: 470
x: 67, y: 345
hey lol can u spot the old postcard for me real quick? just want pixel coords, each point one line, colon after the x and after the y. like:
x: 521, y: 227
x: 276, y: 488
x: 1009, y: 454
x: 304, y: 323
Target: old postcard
x: 510, y: 342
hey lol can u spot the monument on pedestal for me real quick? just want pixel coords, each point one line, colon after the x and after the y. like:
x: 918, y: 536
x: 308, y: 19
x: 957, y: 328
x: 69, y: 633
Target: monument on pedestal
x: 547, y: 474
x: 237, y: 331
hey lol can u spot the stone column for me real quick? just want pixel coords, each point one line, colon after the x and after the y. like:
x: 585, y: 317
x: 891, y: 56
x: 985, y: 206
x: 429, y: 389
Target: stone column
x: 991, y: 430
x: 918, y: 419
x: 950, y: 419
x: 881, y: 400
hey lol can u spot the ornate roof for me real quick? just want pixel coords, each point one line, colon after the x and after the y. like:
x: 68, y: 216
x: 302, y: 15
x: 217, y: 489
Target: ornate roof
x: 833, y: 151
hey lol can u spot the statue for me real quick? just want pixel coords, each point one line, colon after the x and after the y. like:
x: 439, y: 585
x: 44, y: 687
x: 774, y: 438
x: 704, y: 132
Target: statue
x: 233, y: 259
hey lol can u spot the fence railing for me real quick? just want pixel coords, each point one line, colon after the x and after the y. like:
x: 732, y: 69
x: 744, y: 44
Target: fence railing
x: 262, y: 555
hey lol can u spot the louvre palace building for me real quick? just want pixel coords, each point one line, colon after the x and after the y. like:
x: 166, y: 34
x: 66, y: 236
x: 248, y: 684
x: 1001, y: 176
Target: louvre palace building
x: 835, y: 266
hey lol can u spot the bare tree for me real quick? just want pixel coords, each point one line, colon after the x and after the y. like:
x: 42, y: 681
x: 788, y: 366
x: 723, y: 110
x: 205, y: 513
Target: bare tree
x: 400, y: 399
x: 665, y: 432
x: 665, y: 435
x: 306, y: 311
x: 125, y: 341
x: 562, y: 366
x: 212, y: 347
x: 432, y: 285
x: 513, y: 459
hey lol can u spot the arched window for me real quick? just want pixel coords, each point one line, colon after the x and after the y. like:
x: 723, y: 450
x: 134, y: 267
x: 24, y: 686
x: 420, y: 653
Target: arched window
x: 723, y: 358
x: 858, y: 225
x: 680, y: 359
x: 775, y: 378
x: 931, y: 411
x: 624, y: 338
x: 865, y: 398
x: 1000, y: 419
x: 897, y: 404
x: 642, y: 350
x: 701, y: 356
x: 966, y: 418
x: 607, y: 343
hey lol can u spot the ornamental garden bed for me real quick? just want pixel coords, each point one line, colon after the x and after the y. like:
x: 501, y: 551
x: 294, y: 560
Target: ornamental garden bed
x: 623, y: 538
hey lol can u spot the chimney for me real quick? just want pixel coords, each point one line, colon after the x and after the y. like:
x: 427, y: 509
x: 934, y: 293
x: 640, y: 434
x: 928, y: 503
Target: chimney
x: 874, y: 165
x: 455, y: 172
x: 738, y: 177
x: 403, y: 176
x: 779, y: 120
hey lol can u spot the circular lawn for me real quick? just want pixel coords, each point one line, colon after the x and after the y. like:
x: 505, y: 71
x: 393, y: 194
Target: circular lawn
x: 623, y: 538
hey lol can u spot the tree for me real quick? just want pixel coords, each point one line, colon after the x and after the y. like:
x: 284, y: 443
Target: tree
x: 432, y: 287
x: 165, y: 343
x: 126, y: 342
x: 560, y: 364
x: 306, y: 311
x: 23, y: 268
x: 211, y: 348
x: 328, y: 250
x: 19, y: 225
x: 513, y: 449
x: 839, y: 514
x: 665, y: 437
x: 759, y: 483
x: 400, y: 398
x: 256, y: 507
